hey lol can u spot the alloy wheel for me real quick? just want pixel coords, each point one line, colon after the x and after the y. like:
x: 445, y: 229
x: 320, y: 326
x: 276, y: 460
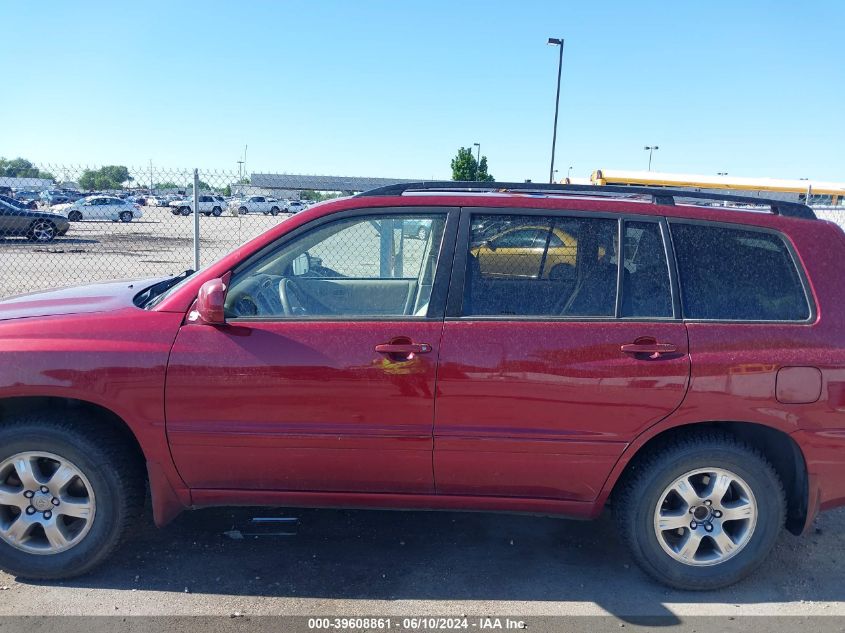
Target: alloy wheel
x: 705, y: 517
x: 43, y: 231
x: 47, y: 504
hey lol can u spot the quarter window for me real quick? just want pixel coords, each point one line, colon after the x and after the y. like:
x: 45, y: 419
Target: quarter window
x: 737, y: 275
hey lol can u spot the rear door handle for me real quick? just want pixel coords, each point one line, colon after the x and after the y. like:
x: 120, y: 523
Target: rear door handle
x: 650, y: 346
x: 403, y: 349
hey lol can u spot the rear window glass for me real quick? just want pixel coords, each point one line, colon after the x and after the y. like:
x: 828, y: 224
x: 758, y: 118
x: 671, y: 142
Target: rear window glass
x: 737, y: 275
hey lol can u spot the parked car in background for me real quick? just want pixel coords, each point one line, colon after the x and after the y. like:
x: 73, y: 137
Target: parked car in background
x: 51, y: 197
x: 36, y: 226
x: 157, y: 201
x: 257, y: 204
x: 208, y: 205
x: 25, y: 204
x: 27, y: 196
x: 101, y: 208
x: 416, y: 228
x: 295, y: 206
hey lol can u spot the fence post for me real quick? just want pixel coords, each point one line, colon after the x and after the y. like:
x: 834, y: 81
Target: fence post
x: 196, y: 220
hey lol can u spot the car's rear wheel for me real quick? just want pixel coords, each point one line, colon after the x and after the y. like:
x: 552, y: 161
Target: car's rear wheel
x: 42, y: 231
x: 69, y: 491
x: 217, y: 212
x: 185, y: 210
x: 701, y: 513
x: 74, y: 216
x: 125, y: 216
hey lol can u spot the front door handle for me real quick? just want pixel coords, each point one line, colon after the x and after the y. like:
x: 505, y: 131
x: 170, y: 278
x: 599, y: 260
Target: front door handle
x: 404, y: 349
x: 650, y: 346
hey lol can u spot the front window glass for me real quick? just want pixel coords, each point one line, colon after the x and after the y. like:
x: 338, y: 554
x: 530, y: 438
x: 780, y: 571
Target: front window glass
x: 381, y: 265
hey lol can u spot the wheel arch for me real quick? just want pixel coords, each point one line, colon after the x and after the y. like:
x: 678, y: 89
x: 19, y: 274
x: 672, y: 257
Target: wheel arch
x: 777, y: 446
x: 166, y: 501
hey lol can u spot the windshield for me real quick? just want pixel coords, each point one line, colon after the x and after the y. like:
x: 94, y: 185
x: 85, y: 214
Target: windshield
x: 153, y: 295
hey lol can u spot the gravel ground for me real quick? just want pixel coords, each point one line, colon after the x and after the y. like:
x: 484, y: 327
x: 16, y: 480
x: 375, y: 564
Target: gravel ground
x: 347, y: 563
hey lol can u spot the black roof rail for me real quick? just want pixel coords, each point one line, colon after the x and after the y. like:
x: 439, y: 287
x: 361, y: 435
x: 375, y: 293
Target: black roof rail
x: 659, y: 195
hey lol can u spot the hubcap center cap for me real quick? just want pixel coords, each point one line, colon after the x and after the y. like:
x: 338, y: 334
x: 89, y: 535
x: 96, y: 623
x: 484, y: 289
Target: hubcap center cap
x: 701, y: 513
x: 42, y: 501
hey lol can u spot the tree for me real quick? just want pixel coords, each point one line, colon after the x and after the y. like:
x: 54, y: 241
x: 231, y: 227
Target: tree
x: 108, y: 177
x: 21, y: 168
x: 466, y: 167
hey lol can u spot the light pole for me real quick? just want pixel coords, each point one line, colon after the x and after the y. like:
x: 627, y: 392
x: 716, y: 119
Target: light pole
x: 569, y: 172
x: 240, y: 171
x: 478, y: 160
x: 650, y: 149
x: 553, y: 41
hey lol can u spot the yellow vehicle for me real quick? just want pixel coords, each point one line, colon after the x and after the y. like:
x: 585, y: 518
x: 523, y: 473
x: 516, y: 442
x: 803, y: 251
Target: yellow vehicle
x: 519, y: 252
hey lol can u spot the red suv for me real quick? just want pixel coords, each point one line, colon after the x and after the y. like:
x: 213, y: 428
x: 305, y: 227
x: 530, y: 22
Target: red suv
x: 542, y: 349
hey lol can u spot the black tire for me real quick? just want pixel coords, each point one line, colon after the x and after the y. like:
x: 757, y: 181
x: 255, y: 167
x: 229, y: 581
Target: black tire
x: 217, y: 212
x: 637, y: 496
x: 185, y: 211
x: 74, y: 216
x: 42, y: 231
x: 422, y: 233
x: 114, y: 471
x: 242, y: 210
x: 274, y: 211
x: 126, y: 216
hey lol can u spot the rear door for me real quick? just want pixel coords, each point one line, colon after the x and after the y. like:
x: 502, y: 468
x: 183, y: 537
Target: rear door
x: 544, y: 379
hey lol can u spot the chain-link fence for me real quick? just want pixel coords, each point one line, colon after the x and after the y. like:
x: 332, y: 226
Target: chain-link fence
x: 62, y: 225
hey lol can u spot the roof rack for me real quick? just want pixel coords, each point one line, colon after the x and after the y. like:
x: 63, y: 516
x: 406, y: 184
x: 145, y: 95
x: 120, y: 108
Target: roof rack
x: 659, y: 195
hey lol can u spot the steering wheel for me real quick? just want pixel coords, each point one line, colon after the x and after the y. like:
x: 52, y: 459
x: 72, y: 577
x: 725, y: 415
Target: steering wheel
x: 288, y: 291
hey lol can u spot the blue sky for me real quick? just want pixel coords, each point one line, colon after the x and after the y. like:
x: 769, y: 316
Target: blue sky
x: 394, y: 88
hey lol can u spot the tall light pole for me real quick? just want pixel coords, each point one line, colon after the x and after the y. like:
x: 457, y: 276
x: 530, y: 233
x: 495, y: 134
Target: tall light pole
x: 650, y: 149
x: 477, y: 160
x: 569, y: 172
x: 553, y: 41
x: 240, y: 171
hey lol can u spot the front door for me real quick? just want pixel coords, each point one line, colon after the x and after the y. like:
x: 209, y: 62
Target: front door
x: 323, y: 377
x: 544, y: 379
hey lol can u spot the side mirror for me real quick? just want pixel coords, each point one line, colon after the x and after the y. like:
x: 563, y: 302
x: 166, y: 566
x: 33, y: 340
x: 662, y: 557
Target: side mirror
x: 210, y: 302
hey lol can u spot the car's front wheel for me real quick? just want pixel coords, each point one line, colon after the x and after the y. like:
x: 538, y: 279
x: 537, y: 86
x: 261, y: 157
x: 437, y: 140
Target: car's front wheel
x: 185, y: 210
x: 74, y: 216
x: 217, y: 212
x: 702, y: 512
x: 274, y: 211
x: 125, y: 216
x: 69, y: 491
x: 42, y: 231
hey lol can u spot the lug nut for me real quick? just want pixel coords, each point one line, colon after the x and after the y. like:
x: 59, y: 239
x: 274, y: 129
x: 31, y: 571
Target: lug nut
x: 44, y: 489
x: 708, y: 527
x: 30, y: 510
x: 55, y: 501
x: 693, y: 525
x: 28, y: 494
x: 707, y: 502
x: 717, y: 514
x: 48, y: 514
